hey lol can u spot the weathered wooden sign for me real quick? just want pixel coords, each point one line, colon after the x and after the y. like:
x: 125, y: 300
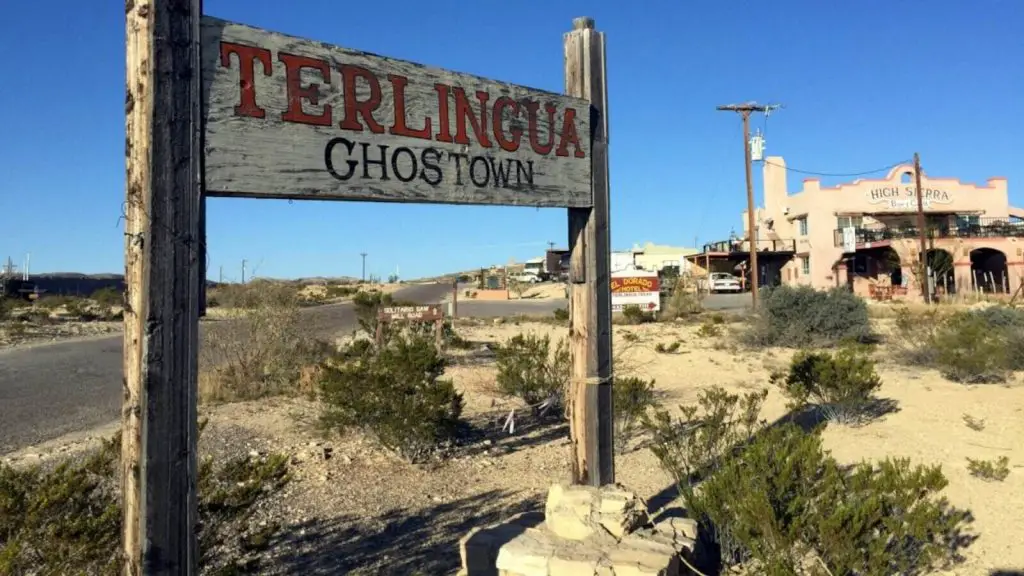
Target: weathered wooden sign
x: 215, y: 108
x: 293, y: 118
x: 411, y: 313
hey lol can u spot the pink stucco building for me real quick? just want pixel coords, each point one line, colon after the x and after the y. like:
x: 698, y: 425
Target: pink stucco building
x: 864, y: 234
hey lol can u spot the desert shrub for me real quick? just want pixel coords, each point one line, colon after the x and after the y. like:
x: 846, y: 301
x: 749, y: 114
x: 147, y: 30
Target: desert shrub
x: 529, y: 369
x: 682, y: 303
x: 636, y: 315
x: 973, y: 346
x: 561, y: 314
x: 668, y: 348
x: 967, y: 349
x: 453, y: 338
x: 51, y: 302
x: 67, y: 519
x: 801, y: 316
x: 783, y: 500
x: 108, y: 296
x: 340, y: 290
x: 1009, y: 322
x: 841, y: 385
x: 991, y: 470
x: 695, y: 444
x: 262, y: 354
x: 632, y: 397
x: 394, y: 393
x: 976, y: 424
x: 367, y: 307
x: 709, y: 330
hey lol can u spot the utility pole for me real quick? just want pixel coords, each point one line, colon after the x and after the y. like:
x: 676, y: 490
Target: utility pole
x: 925, y: 280
x: 551, y: 245
x: 744, y: 111
x: 220, y: 277
x: 363, y: 254
x: 243, y: 270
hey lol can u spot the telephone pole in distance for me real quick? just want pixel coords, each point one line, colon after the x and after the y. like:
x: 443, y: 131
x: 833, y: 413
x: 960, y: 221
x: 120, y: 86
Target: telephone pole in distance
x: 926, y: 289
x: 744, y: 111
x: 363, y: 254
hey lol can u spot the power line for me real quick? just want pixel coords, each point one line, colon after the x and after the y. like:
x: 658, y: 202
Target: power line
x: 836, y: 174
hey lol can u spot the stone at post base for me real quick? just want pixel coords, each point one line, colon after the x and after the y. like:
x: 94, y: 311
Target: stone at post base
x: 588, y: 531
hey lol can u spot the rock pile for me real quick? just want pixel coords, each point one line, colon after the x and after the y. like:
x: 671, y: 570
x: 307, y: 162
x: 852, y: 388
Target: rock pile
x: 583, y: 531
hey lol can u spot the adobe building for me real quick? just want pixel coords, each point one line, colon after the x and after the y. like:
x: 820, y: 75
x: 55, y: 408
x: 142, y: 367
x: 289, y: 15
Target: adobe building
x: 864, y: 234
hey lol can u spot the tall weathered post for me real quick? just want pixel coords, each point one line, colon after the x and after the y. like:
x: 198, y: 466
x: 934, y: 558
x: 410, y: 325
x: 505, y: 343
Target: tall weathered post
x: 590, y: 307
x: 162, y: 269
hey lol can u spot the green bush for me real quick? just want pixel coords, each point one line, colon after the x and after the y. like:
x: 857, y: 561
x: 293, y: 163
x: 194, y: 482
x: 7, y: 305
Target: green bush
x: 695, y: 444
x: 840, y: 385
x: 367, y: 307
x: 783, y: 497
x: 108, y: 296
x: 632, y: 398
x: 967, y: 349
x: 393, y: 392
x: 262, y: 355
x: 561, y: 314
x: 667, y: 348
x: 990, y: 470
x: 709, y: 330
x: 682, y: 304
x: 636, y: 315
x: 974, y: 346
x: 772, y: 498
x: 801, y: 316
x: 529, y: 369
x: 67, y: 520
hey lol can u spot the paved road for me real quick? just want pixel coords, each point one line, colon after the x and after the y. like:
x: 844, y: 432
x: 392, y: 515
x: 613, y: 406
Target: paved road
x: 727, y: 302
x: 50, y: 390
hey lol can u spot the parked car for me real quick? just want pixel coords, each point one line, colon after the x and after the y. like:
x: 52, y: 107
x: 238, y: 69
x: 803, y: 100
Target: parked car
x: 723, y: 282
x: 527, y: 277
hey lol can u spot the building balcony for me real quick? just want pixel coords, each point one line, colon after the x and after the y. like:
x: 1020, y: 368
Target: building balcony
x: 979, y: 228
x: 743, y: 246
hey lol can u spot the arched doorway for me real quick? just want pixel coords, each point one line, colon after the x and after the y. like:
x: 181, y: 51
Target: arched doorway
x: 941, y: 272
x: 988, y: 270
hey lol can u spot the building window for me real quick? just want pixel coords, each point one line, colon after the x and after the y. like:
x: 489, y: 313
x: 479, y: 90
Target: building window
x: 802, y: 224
x: 849, y: 222
x: 966, y: 221
x: 805, y: 265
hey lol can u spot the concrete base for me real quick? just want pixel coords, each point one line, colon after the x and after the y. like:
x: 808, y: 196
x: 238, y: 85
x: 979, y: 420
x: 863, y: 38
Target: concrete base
x: 577, y: 536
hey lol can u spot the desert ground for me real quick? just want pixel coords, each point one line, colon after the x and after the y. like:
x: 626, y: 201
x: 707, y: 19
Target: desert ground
x: 354, y: 509
x: 67, y: 321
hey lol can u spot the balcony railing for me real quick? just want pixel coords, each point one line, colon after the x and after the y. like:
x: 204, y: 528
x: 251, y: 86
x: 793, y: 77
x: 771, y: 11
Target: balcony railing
x: 744, y: 246
x: 982, y: 228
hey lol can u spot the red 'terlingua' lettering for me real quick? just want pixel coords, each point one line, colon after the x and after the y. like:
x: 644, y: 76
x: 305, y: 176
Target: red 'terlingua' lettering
x: 478, y: 117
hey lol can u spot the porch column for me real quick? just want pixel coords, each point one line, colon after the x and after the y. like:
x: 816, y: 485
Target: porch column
x: 842, y: 274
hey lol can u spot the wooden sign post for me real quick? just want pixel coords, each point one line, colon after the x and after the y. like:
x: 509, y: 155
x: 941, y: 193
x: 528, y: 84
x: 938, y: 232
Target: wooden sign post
x: 216, y: 108
x: 162, y: 266
x: 590, y: 306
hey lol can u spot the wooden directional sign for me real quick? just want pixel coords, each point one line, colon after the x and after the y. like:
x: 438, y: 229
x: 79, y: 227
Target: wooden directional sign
x: 293, y: 118
x: 412, y: 313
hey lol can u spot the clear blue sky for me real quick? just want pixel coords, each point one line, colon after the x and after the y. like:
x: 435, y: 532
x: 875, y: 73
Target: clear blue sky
x: 865, y: 84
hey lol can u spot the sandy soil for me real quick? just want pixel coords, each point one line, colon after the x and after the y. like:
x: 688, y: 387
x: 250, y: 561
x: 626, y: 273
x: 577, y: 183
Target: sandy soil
x: 545, y: 291
x: 353, y: 509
